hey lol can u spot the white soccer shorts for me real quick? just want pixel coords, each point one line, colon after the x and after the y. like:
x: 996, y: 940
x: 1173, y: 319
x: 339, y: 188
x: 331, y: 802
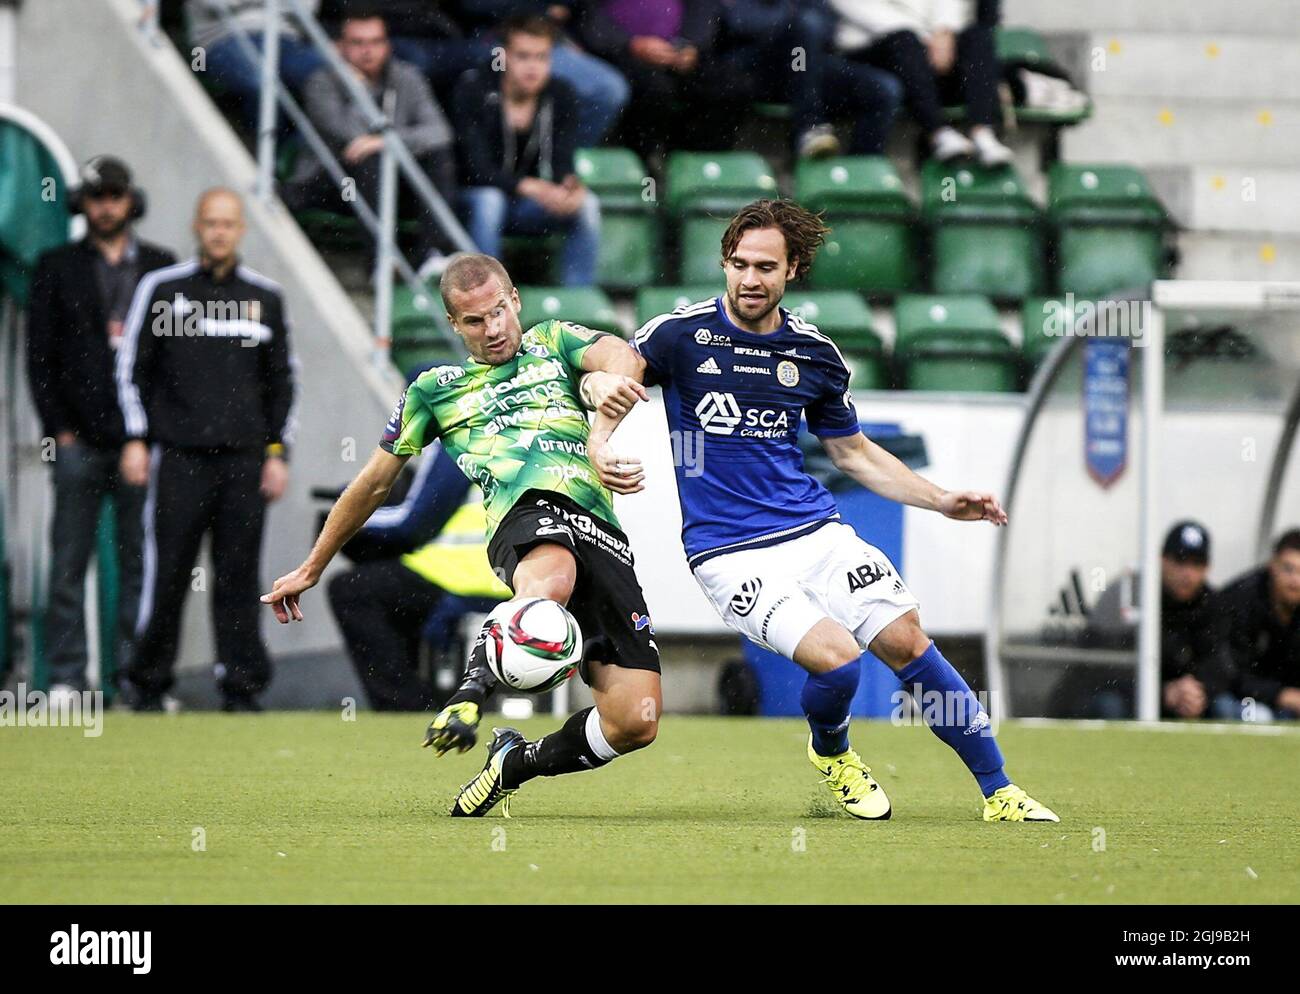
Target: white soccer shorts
x: 775, y: 595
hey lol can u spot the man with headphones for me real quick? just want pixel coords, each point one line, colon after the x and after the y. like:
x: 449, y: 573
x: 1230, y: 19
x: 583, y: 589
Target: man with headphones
x: 80, y: 295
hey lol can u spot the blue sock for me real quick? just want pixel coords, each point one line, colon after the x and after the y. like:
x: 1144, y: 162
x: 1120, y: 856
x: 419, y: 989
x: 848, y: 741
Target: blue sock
x: 827, y: 699
x: 953, y: 713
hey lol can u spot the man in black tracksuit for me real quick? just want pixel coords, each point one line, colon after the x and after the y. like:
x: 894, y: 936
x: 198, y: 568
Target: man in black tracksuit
x: 80, y: 294
x: 205, y: 378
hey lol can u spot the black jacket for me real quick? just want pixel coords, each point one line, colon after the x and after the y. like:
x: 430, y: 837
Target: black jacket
x: 1191, y: 642
x: 69, y: 358
x: 481, y: 132
x: 1266, y: 652
x: 206, y: 363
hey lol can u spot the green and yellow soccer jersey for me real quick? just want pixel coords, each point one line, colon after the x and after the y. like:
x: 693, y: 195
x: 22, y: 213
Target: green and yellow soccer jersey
x: 511, y: 427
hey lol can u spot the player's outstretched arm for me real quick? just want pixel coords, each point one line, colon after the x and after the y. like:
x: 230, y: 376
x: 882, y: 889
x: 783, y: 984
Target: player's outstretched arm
x: 349, y: 513
x: 884, y: 474
x: 612, y: 387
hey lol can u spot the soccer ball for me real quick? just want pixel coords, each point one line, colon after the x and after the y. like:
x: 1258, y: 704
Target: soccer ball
x: 533, y: 644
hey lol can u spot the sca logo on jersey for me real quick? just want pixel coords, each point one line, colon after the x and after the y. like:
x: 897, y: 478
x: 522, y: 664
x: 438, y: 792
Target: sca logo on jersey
x: 865, y: 575
x: 705, y: 337
x: 719, y: 414
x: 744, y: 599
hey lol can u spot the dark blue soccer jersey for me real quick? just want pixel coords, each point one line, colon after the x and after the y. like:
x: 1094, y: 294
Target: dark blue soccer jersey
x: 734, y: 401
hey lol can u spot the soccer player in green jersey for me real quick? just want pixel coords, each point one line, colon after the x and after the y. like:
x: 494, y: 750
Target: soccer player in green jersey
x: 512, y: 417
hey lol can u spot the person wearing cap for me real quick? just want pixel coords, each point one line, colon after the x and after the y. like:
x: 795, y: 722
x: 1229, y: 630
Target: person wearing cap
x: 80, y: 295
x: 1196, y: 672
x: 1262, y: 616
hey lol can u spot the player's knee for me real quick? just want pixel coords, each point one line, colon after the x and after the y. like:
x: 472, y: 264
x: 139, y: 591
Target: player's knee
x: 901, y: 642
x: 634, y: 731
x: 841, y: 651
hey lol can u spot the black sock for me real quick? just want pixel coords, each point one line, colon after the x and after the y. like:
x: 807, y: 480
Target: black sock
x: 563, y: 751
x: 478, y: 682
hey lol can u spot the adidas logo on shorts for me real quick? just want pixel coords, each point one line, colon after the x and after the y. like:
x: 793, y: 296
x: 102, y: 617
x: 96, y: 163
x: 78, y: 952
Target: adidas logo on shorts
x: 709, y: 366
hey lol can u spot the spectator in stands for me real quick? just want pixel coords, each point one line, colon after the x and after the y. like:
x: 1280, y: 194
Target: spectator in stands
x: 402, y: 93
x: 1196, y: 670
x: 421, y: 566
x: 663, y: 49
x: 205, y: 377
x: 224, y: 56
x: 1263, y: 624
x: 780, y: 51
x: 601, y: 89
x: 79, y: 299
x: 427, y: 34
x: 939, y: 49
x: 518, y: 137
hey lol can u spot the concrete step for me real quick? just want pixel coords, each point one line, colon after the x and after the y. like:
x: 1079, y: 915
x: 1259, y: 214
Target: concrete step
x: 1260, y: 17
x: 1255, y: 200
x: 1215, y: 255
x: 1153, y: 131
x: 1191, y: 66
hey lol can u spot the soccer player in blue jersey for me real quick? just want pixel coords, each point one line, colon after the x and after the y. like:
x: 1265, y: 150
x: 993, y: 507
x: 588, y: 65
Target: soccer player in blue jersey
x: 763, y: 537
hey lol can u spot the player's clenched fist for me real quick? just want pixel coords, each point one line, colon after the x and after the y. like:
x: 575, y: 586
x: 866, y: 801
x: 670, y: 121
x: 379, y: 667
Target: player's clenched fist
x: 621, y: 474
x: 612, y: 394
x: 284, y: 594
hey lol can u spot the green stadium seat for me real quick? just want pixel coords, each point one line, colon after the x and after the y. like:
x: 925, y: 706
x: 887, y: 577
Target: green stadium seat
x: 845, y: 319
x: 866, y: 184
x: 631, y: 253
x: 953, y: 343
x: 704, y: 190
x: 420, y: 331
x: 872, y: 247
x: 1041, y: 319
x: 1026, y: 47
x: 986, y: 232
x: 651, y: 301
x: 1111, y: 229
x: 717, y: 182
x: 616, y: 175
x: 418, y: 315
x: 700, y: 247
x: 406, y: 356
x: 585, y: 305
x: 630, y: 237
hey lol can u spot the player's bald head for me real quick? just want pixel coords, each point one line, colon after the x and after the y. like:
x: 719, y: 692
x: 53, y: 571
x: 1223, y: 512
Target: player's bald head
x: 466, y: 272
x: 219, y: 198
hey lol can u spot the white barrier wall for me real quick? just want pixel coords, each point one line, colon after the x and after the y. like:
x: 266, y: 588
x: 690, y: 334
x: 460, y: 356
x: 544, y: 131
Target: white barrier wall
x: 948, y: 564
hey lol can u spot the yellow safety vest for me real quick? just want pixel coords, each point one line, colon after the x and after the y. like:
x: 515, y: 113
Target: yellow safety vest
x: 457, y: 559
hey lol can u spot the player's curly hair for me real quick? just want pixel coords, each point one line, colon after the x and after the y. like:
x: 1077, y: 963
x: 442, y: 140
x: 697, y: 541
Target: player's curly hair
x: 804, y: 231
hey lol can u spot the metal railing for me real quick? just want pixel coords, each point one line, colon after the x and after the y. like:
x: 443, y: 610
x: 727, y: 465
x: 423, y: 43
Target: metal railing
x: 397, y: 159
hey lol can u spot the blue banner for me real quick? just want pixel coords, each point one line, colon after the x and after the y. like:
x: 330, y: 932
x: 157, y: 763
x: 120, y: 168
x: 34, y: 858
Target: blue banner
x: 1105, y: 408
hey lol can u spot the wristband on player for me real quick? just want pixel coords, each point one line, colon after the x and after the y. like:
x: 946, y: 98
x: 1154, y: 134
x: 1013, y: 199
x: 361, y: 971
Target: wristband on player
x: 584, y: 392
x: 276, y: 450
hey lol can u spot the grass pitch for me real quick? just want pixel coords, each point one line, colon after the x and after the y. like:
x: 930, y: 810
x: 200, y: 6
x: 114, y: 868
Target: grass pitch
x: 309, y: 808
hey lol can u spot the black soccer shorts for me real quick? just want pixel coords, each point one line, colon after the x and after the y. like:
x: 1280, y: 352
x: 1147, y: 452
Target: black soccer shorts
x: 607, y: 600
